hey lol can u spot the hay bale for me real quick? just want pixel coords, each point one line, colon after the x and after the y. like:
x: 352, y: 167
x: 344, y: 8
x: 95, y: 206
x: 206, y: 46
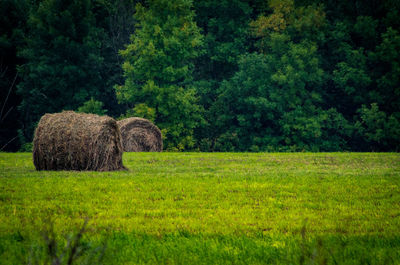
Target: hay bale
x: 140, y: 135
x: 77, y: 141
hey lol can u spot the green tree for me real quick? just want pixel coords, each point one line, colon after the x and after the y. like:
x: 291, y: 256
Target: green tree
x: 63, y: 61
x: 224, y: 24
x: 115, y: 18
x: 93, y: 106
x: 274, y: 101
x: 352, y: 80
x: 13, y: 17
x: 225, y: 27
x: 386, y: 58
x: 158, y: 69
x: 378, y: 131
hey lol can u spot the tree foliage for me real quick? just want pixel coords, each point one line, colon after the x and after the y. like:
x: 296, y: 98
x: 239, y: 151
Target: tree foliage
x: 237, y: 75
x: 93, y: 106
x: 13, y: 16
x: 62, y: 56
x: 158, y: 69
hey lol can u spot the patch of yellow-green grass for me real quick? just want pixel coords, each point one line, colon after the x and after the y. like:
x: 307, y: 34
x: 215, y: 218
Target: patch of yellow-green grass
x: 207, y: 195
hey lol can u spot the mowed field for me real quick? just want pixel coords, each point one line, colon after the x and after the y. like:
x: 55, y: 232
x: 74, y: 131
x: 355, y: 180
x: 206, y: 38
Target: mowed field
x: 205, y: 208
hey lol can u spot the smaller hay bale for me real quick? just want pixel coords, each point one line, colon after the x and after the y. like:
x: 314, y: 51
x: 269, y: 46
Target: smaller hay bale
x: 140, y: 135
x: 77, y: 141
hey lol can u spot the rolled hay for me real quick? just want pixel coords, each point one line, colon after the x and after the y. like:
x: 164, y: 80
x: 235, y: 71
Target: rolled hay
x: 77, y: 141
x: 140, y: 135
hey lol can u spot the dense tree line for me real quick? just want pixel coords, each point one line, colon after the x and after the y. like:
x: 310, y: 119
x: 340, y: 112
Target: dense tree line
x: 226, y: 75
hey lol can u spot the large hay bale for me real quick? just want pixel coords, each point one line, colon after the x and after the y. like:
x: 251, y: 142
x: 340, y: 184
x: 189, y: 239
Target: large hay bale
x: 140, y: 135
x: 77, y: 141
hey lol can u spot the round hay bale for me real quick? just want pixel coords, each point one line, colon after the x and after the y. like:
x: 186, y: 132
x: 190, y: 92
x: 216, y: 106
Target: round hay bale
x: 140, y: 135
x: 77, y: 141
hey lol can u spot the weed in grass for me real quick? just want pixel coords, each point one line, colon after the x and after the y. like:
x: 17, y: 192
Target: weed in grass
x: 72, y: 249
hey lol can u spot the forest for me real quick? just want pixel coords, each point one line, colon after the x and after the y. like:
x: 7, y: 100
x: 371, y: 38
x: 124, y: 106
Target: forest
x: 213, y: 75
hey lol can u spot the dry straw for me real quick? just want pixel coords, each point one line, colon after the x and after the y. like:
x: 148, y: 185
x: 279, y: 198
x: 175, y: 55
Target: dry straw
x: 77, y: 141
x: 140, y: 135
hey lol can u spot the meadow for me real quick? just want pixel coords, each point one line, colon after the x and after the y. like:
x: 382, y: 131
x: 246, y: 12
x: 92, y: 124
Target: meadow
x: 205, y: 208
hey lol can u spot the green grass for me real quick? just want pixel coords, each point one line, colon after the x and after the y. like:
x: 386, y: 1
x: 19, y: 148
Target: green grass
x: 219, y: 208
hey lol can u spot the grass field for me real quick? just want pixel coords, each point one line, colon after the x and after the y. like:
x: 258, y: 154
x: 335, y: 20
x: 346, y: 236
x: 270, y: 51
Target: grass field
x: 202, y: 208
